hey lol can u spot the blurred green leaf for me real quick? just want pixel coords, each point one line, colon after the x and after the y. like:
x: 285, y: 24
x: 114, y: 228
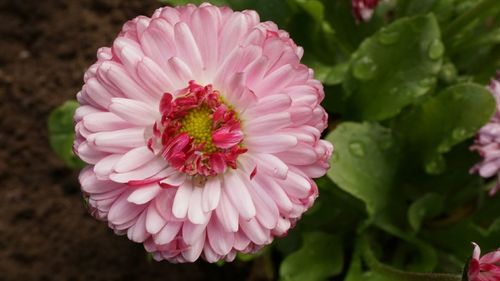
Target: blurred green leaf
x: 443, y: 121
x: 425, y: 207
x: 365, y: 163
x: 319, y: 257
x: 349, y: 34
x: 62, y: 133
x: 313, y: 7
x: 330, y: 75
x: 443, y: 9
x: 383, y: 272
x: 393, y: 68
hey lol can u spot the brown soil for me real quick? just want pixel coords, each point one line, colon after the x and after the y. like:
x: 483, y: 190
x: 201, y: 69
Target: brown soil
x: 45, y: 232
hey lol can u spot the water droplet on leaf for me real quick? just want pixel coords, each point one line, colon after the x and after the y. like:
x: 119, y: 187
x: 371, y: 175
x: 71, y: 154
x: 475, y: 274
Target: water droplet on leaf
x: 442, y: 148
x: 459, y: 133
x: 357, y: 149
x: 427, y: 82
x: 364, y: 68
x: 436, y: 166
x: 436, y: 49
x: 388, y: 37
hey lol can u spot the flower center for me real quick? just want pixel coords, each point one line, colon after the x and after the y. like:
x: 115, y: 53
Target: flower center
x: 198, y: 133
x: 198, y: 125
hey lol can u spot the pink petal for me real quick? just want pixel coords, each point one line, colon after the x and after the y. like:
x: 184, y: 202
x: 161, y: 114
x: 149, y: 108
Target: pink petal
x: 270, y: 143
x: 225, y: 138
x: 227, y: 214
x: 195, y: 212
x: 154, y: 221
x: 238, y: 194
x: 220, y: 240
x: 167, y: 233
x: 135, y: 112
x: 133, y: 159
x: 181, y: 200
x: 144, y: 194
x: 211, y: 194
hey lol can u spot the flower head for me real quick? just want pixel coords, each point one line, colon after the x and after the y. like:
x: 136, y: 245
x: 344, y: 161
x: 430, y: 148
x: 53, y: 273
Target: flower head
x: 202, y: 132
x: 487, y: 142
x: 485, y: 268
x: 363, y: 9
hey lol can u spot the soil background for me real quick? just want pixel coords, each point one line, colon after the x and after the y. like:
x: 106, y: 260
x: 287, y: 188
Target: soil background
x: 45, y: 231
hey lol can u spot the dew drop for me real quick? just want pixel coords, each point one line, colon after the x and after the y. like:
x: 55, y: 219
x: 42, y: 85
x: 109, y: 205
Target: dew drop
x: 448, y: 73
x: 427, y: 82
x: 459, y: 133
x: 436, y: 49
x: 436, y: 166
x: 442, y: 148
x: 357, y: 149
x: 388, y: 37
x: 364, y: 68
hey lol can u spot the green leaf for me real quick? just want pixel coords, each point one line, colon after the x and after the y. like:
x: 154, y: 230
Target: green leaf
x: 338, y: 14
x: 443, y: 121
x: 330, y: 75
x: 364, y: 163
x: 62, y: 133
x: 425, y: 207
x: 443, y: 9
x: 313, y: 7
x: 393, y: 68
x: 381, y: 271
x: 320, y: 257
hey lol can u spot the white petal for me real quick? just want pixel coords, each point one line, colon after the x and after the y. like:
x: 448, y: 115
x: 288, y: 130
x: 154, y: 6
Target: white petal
x: 211, y: 194
x: 181, y: 200
x: 238, y: 193
x: 195, y: 211
x: 227, y: 214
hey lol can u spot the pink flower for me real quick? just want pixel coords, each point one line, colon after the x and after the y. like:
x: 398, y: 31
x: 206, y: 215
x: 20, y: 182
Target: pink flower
x: 486, y: 268
x: 487, y: 142
x: 363, y: 9
x: 202, y: 132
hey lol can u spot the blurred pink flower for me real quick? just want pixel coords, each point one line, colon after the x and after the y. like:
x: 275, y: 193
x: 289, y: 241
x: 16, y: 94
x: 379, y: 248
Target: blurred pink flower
x: 363, y: 9
x: 202, y: 132
x: 485, y: 268
x: 487, y: 142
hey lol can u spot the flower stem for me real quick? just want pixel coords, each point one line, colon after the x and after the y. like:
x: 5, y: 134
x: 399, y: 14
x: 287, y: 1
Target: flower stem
x: 463, y: 20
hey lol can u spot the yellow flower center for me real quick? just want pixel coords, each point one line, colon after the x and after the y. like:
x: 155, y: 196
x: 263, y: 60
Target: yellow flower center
x: 198, y: 125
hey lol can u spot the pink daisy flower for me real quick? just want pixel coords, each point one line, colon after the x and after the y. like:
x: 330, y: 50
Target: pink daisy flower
x: 485, y: 268
x: 487, y: 142
x: 202, y: 132
x: 363, y: 9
